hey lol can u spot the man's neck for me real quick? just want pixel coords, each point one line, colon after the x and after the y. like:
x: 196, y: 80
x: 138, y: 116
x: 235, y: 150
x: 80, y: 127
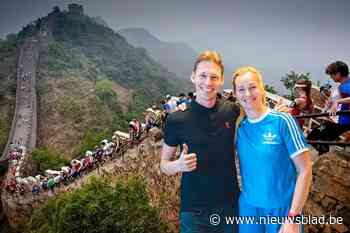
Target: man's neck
x: 345, y: 79
x: 206, y: 103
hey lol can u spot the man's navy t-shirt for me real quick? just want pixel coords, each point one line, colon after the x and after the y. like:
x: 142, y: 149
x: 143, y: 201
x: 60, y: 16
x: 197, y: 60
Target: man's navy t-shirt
x: 208, y: 132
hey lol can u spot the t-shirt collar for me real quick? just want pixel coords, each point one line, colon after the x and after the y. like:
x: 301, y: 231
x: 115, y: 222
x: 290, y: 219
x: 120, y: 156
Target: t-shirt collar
x: 201, y: 108
x: 262, y: 117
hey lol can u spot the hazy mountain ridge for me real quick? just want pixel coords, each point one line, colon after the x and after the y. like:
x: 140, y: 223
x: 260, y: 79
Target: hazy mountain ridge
x: 178, y: 57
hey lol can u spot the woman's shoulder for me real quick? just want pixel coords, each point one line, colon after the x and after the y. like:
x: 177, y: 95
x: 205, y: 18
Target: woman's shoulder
x: 281, y: 116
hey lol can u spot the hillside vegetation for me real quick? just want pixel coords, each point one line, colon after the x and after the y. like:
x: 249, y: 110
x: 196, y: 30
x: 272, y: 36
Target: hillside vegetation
x: 91, y: 81
x: 8, y: 56
x: 100, y: 207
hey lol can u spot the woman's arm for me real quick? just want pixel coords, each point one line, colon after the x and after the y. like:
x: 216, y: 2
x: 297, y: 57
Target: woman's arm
x: 300, y: 102
x: 303, y: 165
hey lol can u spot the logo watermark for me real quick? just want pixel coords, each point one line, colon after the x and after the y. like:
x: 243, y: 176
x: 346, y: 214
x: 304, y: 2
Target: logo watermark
x: 215, y: 219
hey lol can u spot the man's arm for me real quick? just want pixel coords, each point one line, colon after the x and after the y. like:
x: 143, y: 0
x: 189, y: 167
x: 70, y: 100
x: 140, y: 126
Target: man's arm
x: 343, y: 100
x: 166, y: 165
x: 345, y: 90
x: 186, y: 162
x: 334, y: 107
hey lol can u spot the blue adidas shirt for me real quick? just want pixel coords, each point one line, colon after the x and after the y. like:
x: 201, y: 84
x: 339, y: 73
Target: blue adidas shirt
x: 265, y: 148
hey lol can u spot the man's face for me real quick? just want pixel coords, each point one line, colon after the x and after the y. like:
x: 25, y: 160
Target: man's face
x: 207, y: 80
x: 336, y: 77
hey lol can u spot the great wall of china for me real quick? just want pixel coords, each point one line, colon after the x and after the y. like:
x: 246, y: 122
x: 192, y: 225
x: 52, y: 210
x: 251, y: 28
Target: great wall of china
x: 324, y: 198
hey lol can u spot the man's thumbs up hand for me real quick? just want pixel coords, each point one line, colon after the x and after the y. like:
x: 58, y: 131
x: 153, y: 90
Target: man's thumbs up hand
x: 187, y: 161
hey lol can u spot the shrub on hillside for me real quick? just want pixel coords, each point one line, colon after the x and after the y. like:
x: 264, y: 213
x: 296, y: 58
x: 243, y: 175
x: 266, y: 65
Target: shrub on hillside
x: 100, y: 207
x: 61, y: 59
x: 70, y: 108
x: 48, y: 159
x: 91, y: 139
x: 4, y: 129
x: 106, y: 94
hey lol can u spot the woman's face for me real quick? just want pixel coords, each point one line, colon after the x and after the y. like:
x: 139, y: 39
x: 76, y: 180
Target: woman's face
x: 249, y: 91
x: 299, y: 91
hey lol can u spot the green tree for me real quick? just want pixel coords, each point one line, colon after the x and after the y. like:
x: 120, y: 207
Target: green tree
x: 4, y: 128
x: 56, y: 10
x: 11, y: 37
x: 292, y: 77
x: 270, y: 89
x: 91, y: 139
x: 48, y: 159
x: 99, y: 207
x: 71, y: 108
x: 106, y: 94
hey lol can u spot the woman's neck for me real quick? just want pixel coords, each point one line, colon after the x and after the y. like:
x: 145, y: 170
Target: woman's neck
x: 256, y: 113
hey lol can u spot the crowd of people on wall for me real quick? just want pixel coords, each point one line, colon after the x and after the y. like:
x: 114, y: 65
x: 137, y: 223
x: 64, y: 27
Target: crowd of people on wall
x: 15, y: 183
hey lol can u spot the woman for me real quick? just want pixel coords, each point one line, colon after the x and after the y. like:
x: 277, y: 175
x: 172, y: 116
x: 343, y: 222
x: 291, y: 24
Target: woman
x: 302, y: 102
x: 274, y: 159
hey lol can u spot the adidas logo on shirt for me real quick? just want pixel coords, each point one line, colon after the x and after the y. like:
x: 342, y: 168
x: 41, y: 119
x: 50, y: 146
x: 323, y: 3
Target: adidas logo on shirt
x: 269, y: 138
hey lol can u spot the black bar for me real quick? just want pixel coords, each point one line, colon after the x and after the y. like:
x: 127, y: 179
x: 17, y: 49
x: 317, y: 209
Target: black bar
x: 323, y: 114
x: 335, y: 143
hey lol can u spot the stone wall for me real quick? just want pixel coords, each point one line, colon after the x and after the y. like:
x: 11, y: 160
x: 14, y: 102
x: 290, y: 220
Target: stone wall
x: 330, y: 193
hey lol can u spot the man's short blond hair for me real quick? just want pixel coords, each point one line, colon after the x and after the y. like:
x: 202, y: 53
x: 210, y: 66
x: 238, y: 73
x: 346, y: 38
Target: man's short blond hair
x: 211, y: 56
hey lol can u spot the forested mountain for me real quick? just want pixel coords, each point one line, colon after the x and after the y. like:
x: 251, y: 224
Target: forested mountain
x: 91, y: 81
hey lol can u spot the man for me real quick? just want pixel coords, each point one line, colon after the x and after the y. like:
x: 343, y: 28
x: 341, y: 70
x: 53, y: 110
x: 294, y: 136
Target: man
x: 339, y: 72
x: 205, y: 131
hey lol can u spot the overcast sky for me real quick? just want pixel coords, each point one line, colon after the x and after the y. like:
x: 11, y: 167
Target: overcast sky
x: 275, y: 36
